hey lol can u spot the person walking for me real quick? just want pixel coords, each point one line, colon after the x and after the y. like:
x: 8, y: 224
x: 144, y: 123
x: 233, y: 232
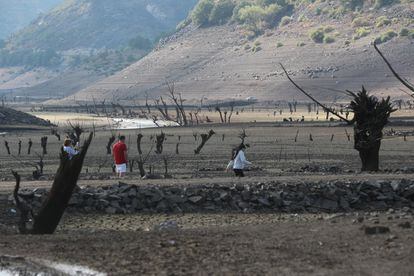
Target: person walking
x: 120, y: 155
x: 239, y: 161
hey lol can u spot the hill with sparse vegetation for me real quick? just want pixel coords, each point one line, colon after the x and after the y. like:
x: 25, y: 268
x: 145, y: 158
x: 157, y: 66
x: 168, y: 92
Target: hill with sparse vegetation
x: 227, y: 50
x: 89, y: 39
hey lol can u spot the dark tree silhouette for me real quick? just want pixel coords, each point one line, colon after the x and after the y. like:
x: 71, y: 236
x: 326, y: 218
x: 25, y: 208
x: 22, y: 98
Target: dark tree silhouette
x: 30, y: 144
x: 139, y: 139
x: 43, y: 143
x: 159, y: 141
x: 370, y: 117
x: 6, y: 144
x: 204, y: 138
x: 49, y: 215
x: 109, y: 144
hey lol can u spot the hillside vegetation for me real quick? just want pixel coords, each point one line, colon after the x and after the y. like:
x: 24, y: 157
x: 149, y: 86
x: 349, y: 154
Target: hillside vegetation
x: 228, y: 50
x: 99, y: 37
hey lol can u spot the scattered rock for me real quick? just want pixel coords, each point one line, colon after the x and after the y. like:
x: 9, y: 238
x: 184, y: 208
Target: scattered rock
x: 405, y: 225
x: 373, y: 230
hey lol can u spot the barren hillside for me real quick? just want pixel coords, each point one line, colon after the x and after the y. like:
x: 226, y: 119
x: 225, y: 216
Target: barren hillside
x: 226, y: 62
x: 81, y: 41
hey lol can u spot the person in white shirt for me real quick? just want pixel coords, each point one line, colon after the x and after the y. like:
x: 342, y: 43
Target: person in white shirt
x: 239, y: 161
x: 68, y: 148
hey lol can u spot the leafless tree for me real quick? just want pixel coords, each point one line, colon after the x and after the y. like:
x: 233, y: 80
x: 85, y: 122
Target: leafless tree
x: 6, y: 144
x: 43, y: 144
x: 405, y: 82
x: 49, y: 215
x: 159, y: 141
x: 204, y: 138
x: 139, y: 139
x: 109, y: 144
x: 179, y: 105
x: 30, y: 144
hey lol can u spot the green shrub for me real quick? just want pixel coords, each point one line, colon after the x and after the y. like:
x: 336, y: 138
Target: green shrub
x: 140, y: 42
x: 279, y: 44
x: 381, y: 3
x: 183, y: 24
x: 382, y: 21
x: 361, y: 32
x: 328, y: 29
x: 337, y: 12
x: 265, y: 3
x: 201, y: 13
x: 360, y: 22
x: 285, y: 20
x: 221, y: 12
x: 404, y: 32
x: 256, y: 49
x: 318, y: 11
x: 237, y: 9
x: 385, y: 37
x: 317, y: 35
x: 301, y: 44
x: 251, y: 15
x: 347, y: 42
x: 352, y: 4
x: 328, y: 39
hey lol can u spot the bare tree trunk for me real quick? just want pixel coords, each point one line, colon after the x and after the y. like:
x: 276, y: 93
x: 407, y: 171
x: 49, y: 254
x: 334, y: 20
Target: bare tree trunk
x: 221, y: 114
x: 204, y: 139
x: 43, y: 143
x: 6, y: 144
x: 30, y: 143
x: 109, y: 144
x: 159, y: 140
x: 141, y: 168
x: 59, y: 195
x: 139, y: 138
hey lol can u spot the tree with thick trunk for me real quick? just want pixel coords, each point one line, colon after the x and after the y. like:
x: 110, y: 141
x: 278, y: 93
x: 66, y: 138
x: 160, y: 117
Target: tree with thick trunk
x: 370, y: 117
x: 49, y: 215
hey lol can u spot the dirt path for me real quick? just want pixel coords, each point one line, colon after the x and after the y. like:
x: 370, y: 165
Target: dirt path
x: 335, y: 246
x: 8, y: 186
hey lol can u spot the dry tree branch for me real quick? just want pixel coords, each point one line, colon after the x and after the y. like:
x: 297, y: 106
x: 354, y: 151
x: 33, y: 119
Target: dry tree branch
x: 313, y: 99
x: 404, y: 82
x: 22, y: 206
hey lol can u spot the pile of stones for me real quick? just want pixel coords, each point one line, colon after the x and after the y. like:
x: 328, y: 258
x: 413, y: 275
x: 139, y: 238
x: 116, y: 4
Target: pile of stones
x: 334, y: 196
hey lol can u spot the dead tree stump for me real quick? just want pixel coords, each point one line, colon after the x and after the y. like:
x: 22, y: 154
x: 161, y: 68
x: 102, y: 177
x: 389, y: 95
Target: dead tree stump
x: 139, y: 139
x: 204, y: 138
x: 30, y: 143
x: 49, y: 215
x: 6, y: 144
x: 43, y: 143
x: 109, y: 144
x: 159, y: 141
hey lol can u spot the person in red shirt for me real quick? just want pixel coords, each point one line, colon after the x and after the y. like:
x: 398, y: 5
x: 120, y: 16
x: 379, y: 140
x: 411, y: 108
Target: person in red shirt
x: 120, y: 155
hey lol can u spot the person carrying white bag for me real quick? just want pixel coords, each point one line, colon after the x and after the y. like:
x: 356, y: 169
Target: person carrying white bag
x: 238, y: 161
